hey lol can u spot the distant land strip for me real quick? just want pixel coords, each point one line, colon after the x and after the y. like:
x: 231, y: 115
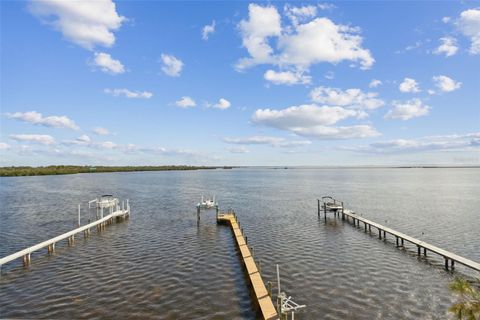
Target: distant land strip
x: 57, y: 170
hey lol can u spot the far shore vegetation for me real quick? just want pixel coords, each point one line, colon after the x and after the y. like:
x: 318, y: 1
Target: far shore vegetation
x: 56, y: 170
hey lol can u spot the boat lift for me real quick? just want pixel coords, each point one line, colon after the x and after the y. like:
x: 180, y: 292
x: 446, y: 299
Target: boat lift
x: 207, y: 204
x: 106, y: 201
x: 285, y: 305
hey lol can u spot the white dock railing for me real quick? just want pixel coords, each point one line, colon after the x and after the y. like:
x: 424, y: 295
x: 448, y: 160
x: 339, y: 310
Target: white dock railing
x: 25, y: 253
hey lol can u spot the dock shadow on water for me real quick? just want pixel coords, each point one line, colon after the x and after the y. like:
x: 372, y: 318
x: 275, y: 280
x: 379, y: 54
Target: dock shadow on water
x: 161, y: 265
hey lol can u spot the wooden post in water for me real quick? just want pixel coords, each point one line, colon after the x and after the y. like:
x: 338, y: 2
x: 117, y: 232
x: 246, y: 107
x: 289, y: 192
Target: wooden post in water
x: 325, y: 211
x: 425, y: 252
x: 418, y: 247
x: 26, y: 259
x: 318, y: 207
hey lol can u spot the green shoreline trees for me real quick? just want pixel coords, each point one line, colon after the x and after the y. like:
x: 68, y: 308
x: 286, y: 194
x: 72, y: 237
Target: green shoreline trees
x: 56, y: 170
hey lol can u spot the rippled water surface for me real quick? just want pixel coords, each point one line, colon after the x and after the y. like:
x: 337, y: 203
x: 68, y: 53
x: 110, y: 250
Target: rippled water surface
x: 161, y: 265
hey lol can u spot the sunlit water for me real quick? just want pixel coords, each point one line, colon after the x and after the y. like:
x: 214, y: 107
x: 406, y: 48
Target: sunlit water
x: 160, y: 264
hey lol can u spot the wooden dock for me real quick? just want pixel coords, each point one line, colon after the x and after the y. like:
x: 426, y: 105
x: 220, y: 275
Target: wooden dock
x: 261, y: 294
x: 101, y: 223
x: 449, y: 257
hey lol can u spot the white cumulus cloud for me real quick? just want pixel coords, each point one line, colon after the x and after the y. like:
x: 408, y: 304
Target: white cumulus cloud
x: 286, y: 77
x: 107, y: 64
x: 313, y: 121
x: 448, y: 46
x: 469, y: 25
x: 171, y: 65
x: 267, y: 140
x: 101, y: 131
x: 129, y: 94
x: 49, y: 121
x: 34, y: 138
x: 208, y: 30
x: 374, y: 83
x: 430, y: 143
x: 299, y: 14
x: 108, y: 145
x: 301, y: 44
x: 240, y: 149
x: 85, y: 23
x: 185, y: 102
x: 301, y: 116
x: 353, y: 98
x: 409, y: 85
x: 407, y: 110
x: 222, y: 104
x: 446, y: 84
x: 334, y: 133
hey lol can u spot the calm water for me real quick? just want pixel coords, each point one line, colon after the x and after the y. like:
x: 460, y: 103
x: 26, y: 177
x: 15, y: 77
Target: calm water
x: 161, y: 265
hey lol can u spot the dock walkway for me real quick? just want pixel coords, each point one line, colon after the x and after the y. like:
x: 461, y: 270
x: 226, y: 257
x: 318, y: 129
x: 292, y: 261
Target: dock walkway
x: 70, y: 236
x: 400, y: 237
x: 264, y: 301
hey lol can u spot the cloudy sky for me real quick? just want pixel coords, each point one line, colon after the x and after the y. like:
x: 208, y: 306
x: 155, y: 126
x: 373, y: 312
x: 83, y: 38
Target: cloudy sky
x: 239, y: 83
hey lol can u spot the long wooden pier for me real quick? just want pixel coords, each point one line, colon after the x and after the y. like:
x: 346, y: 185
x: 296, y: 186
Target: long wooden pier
x: 101, y: 223
x: 338, y: 209
x: 262, y: 295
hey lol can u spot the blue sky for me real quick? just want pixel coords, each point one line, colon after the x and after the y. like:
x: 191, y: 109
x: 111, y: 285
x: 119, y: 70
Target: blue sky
x: 240, y: 83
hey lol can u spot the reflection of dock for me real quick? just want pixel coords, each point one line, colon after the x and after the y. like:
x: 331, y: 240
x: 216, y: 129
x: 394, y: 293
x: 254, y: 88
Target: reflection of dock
x: 116, y: 213
x: 331, y: 205
x: 261, y: 294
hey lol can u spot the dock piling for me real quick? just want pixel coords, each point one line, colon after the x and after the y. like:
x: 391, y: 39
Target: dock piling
x: 318, y: 207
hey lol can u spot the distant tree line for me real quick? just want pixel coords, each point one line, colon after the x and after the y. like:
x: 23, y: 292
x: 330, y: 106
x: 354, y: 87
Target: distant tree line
x: 54, y: 170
